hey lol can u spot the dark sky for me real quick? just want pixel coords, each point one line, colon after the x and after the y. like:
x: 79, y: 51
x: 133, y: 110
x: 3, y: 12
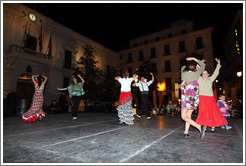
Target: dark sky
x: 114, y: 24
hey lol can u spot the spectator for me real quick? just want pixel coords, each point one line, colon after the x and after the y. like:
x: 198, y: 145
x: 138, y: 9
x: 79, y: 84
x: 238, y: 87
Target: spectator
x: 54, y: 107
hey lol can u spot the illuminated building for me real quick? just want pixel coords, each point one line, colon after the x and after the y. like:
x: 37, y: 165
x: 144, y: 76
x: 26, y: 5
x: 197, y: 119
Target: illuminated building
x: 27, y: 35
x: 164, y: 50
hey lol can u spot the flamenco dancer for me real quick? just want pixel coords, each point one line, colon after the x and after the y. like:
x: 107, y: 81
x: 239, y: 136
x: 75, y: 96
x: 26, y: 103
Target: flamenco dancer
x: 190, y: 96
x: 76, y: 91
x: 125, y: 110
x: 35, y: 112
x: 209, y: 114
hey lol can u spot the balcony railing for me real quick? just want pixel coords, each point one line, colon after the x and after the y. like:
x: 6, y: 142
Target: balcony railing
x: 15, y: 48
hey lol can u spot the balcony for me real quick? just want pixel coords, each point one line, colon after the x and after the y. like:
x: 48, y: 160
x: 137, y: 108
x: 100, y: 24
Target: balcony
x: 14, y: 49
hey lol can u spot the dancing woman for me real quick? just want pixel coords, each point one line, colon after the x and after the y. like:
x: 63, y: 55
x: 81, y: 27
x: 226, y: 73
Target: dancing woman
x: 36, y: 112
x: 209, y: 113
x: 189, y: 94
x: 75, y: 92
x: 125, y: 110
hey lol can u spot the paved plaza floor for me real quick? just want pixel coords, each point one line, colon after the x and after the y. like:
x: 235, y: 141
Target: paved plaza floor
x: 99, y: 138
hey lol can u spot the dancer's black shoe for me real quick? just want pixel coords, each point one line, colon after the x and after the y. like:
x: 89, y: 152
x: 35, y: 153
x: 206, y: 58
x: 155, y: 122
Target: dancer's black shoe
x: 186, y: 135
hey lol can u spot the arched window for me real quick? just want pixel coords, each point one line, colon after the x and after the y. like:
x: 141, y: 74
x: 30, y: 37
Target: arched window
x: 29, y: 69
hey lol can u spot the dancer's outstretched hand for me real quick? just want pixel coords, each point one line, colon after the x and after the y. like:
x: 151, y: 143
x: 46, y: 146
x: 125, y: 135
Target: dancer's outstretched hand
x: 218, y: 60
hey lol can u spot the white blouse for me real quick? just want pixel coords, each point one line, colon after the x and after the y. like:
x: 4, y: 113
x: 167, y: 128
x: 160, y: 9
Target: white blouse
x: 125, y: 84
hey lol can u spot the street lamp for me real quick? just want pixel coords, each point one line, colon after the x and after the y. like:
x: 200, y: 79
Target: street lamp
x: 239, y: 73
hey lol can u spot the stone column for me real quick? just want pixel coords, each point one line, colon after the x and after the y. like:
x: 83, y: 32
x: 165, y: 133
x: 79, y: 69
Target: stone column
x: 154, y: 98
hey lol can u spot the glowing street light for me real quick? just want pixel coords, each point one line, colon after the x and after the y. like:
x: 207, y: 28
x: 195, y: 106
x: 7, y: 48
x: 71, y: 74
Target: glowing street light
x: 161, y: 86
x: 239, y: 73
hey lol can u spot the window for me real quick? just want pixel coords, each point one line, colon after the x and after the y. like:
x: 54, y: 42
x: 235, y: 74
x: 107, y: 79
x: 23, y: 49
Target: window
x: 199, y: 43
x: 108, y: 69
x: 184, y: 31
x: 140, y: 58
x: 146, y: 42
x: 135, y: 45
x: 120, y: 57
x: 167, y: 49
x: 129, y: 58
x: 157, y: 38
x: 169, y: 35
x: 29, y: 69
x: 31, y: 42
x: 68, y: 59
x: 153, y: 67
x: 65, y: 81
x: 181, y: 46
x: 130, y: 71
x: 167, y: 66
x: 168, y: 83
x: 153, y: 53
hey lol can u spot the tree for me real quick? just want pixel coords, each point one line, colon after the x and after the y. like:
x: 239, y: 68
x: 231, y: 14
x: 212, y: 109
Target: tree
x: 111, y: 89
x: 91, y: 74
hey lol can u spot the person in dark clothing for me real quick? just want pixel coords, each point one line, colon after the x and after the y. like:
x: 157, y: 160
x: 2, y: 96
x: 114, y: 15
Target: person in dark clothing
x: 143, y: 86
x: 54, y: 107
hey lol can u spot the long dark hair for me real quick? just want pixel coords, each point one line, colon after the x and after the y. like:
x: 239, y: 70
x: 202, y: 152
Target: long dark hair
x: 40, y: 80
x: 190, y: 66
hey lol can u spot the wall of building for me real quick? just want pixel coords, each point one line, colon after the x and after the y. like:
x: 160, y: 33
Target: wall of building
x: 16, y: 59
x: 234, y: 60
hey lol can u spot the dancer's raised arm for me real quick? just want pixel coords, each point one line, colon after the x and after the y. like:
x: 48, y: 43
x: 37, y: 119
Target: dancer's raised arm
x: 216, y: 71
x: 61, y: 89
x: 153, y: 78
x: 82, y: 80
x: 117, y: 78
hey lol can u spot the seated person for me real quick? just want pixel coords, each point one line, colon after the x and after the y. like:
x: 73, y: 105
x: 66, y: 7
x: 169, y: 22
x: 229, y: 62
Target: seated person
x: 54, y: 107
x: 170, y: 106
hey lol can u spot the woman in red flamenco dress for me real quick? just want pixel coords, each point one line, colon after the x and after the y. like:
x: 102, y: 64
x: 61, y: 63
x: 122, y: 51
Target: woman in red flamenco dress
x: 209, y: 114
x: 36, y: 112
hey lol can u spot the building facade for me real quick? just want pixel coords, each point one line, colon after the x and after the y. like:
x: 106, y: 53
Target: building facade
x: 35, y: 44
x: 165, y: 50
x: 234, y: 58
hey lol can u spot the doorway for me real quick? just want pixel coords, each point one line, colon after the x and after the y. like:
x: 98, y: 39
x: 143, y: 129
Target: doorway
x: 25, y: 89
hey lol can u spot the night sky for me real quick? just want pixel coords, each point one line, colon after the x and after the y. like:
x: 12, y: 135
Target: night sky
x: 114, y: 24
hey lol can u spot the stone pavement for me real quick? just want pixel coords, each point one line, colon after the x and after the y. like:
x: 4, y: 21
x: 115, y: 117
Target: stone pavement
x: 99, y: 138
